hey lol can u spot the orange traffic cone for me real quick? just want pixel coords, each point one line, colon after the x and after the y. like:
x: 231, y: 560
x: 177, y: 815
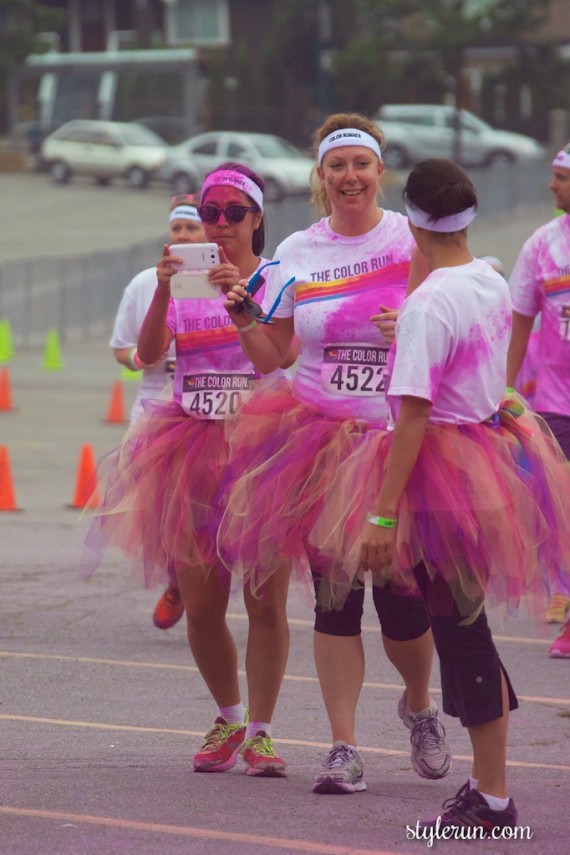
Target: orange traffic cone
x: 116, y: 411
x: 7, y: 497
x: 86, y: 493
x: 5, y: 393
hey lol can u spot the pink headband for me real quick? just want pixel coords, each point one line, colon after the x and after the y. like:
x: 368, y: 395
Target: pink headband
x: 562, y: 158
x: 230, y: 178
x: 452, y: 223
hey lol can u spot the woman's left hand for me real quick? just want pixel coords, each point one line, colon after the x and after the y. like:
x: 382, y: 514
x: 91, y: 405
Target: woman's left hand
x: 386, y: 322
x: 376, y: 547
x: 225, y: 274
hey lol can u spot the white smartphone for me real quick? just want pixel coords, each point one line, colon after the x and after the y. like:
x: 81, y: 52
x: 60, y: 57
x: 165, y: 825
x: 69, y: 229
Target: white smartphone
x: 191, y: 282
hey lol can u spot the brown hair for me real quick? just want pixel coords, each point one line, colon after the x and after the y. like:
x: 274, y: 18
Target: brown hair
x: 337, y: 122
x: 440, y: 188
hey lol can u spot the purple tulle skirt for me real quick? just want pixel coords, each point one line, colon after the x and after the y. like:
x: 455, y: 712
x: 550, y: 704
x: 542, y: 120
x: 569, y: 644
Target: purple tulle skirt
x: 284, y: 456
x: 486, y: 508
x: 162, y: 492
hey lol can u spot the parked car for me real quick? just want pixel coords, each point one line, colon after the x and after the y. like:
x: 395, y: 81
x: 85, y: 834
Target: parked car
x: 416, y: 131
x: 284, y: 168
x: 104, y: 150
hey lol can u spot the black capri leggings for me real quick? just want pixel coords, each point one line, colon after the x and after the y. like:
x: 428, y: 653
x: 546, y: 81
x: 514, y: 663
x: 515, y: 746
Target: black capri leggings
x: 469, y: 662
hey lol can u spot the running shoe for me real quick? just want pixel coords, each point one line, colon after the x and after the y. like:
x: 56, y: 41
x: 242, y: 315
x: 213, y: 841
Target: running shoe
x: 169, y: 608
x: 431, y: 755
x: 468, y: 809
x: 558, y: 607
x: 261, y: 757
x: 342, y: 771
x: 221, y: 748
x: 560, y: 647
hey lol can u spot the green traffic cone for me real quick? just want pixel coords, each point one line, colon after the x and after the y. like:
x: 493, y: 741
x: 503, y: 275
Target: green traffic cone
x: 52, y: 355
x: 6, y: 343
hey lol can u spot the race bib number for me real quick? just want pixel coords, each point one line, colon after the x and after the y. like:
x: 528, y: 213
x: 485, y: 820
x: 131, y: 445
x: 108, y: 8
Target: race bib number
x: 354, y: 369
x: 214, y: 396
x: 564, y: 323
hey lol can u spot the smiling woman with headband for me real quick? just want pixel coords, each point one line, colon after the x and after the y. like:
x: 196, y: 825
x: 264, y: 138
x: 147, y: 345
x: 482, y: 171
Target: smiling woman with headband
x: 333, y: 286
x: 166, y: 485
x: 466, y: 498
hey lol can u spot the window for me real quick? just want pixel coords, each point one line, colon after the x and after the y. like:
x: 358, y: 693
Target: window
x: 205, y: 148
x: 198, y: 22
x: 236, y: 150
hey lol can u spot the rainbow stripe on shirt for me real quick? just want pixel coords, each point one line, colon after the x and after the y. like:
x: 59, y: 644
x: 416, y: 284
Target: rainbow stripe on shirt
x: 393, y: 274
x: 198, y: 340
x: 560, y: 285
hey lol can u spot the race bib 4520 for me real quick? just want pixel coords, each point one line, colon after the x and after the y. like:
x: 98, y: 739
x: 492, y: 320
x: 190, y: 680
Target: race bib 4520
x: 214, y: 395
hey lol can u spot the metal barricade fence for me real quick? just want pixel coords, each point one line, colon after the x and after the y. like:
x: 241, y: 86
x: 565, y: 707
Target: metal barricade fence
x: 79, y: 295
x: 76, y: 295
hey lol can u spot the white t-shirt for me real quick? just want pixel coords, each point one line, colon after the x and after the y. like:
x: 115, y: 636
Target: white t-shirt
x: 540, y: 282
x: 131, y: 313
x: 339, y: 283
x: 212, y: 375
x: 452, y: 338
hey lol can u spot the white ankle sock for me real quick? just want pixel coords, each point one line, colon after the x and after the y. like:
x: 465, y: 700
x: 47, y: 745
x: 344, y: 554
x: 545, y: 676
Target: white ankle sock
x: 234, y: 714
x: 494, y: 802
x: 473, y: 783
x: 253, y: 728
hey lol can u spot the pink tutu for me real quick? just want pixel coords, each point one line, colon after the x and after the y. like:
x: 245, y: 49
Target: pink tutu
x: 485, y: 508
x: 284, y: 456
x: 162, y: 494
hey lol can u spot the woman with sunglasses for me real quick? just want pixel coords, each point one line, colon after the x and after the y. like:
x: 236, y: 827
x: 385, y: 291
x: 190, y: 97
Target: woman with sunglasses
x: 164, y: 494
x: 349, y: 268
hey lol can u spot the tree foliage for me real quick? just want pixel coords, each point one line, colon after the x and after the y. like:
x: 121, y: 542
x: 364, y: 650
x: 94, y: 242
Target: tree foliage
x: 21, y: 22
x: 414, y: 48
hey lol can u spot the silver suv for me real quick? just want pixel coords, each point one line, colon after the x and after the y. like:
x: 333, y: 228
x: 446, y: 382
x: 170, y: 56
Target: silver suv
x: 103, y: 150
x: 416, y: 131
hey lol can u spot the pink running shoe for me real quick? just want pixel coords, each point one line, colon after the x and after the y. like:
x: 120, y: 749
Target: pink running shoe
x: 560, y: 647
x: 221, y: 748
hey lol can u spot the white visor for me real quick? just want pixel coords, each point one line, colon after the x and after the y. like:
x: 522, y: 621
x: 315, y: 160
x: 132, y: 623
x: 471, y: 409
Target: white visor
x: 452, y: 223
x: 184, y: 212
x: 349, y: 136
x: 562, y: 158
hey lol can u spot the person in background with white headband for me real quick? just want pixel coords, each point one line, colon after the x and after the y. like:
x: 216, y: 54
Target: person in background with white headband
x: 466, y: 499
x: 539, y: 283
x: 184, y: 226
x: 349, y: 267
x: 165, y: 487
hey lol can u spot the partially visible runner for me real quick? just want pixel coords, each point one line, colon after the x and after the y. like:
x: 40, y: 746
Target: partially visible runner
x: 540, y: 282
x: 184, y: 226
x: 350, y: 269
x: 164, y: 491
x: 465, y: 499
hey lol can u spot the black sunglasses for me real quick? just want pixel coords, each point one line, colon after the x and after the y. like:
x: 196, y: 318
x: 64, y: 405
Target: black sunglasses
x: 233, y: 213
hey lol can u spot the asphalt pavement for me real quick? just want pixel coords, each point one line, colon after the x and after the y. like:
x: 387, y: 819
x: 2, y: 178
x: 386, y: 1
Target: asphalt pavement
x: 101, y: 713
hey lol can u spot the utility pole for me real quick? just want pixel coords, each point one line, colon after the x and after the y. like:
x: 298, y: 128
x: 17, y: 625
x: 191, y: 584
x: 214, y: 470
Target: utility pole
x: 324, y: 46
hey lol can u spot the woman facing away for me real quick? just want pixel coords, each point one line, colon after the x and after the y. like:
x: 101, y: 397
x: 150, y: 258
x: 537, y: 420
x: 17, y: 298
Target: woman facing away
x: 349, y: 269
x: 165, y: 485
x: 465, y: 499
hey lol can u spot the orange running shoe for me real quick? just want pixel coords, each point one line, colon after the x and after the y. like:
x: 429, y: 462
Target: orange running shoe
x: 261, y: 758
x: 221, y: 748
x: 169, y: 608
